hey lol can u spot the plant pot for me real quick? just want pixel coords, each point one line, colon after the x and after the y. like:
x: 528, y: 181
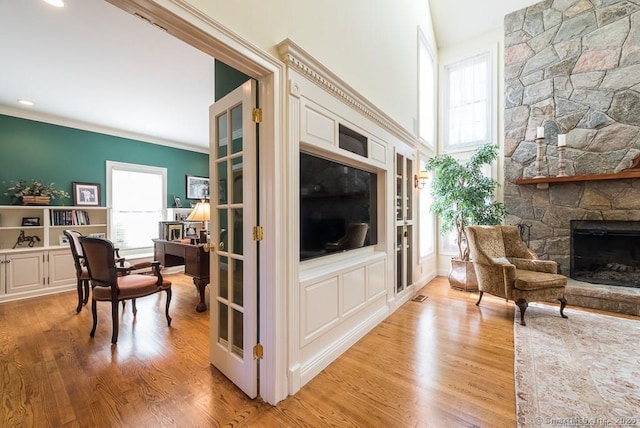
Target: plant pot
x: 36, y: 200
x: 463, y: 276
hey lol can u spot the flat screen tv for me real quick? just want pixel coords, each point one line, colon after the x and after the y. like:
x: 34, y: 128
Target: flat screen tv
x: 338, y: 206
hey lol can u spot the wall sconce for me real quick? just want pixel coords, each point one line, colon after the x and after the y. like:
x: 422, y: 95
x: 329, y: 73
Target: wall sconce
x: 420, y: 180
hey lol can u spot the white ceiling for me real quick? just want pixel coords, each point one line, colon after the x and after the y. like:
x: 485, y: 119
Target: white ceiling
x: 455, y: 21
x: 92, y: 63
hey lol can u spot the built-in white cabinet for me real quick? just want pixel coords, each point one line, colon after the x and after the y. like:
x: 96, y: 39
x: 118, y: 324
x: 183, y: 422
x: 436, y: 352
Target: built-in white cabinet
x: 23, y: 272
x: 35, y: 258
x: 404, y: 222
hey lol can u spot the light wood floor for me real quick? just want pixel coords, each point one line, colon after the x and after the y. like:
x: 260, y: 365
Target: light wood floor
x: 440, y: 363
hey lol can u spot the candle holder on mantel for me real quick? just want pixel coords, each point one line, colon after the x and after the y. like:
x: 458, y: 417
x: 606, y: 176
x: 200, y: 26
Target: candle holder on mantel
x: 562, y: 163
x: 540, y: 143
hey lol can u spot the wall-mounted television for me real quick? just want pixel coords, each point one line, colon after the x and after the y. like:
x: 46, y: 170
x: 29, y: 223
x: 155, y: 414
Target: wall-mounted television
x: 338, y: 206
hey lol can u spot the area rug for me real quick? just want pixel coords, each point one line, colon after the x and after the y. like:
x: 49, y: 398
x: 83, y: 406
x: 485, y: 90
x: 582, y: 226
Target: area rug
x: 580, y: 371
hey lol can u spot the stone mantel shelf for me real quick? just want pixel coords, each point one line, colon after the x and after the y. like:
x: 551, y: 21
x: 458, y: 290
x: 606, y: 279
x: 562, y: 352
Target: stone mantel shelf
x: 586, y: 177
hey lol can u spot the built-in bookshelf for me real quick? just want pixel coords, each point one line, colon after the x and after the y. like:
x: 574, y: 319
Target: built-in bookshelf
x: 35, y: 258
x: 43, y: 226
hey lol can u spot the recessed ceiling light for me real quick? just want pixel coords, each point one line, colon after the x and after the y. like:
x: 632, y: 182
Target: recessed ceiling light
x: 56, y: 3
x: 25, y: 102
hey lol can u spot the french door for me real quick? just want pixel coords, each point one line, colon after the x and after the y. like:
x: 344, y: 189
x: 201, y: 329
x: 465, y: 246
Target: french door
x: 234, y: 253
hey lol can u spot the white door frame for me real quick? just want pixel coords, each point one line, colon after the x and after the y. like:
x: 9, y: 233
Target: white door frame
x: 190, y: 25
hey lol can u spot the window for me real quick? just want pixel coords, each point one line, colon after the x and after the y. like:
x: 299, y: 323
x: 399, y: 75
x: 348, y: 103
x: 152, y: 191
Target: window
x: 137, y: 197
x: 426, y: 91
x: 469, y: 102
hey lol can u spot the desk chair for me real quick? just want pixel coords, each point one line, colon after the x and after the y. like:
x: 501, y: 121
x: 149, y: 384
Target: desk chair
x: 108, y: 286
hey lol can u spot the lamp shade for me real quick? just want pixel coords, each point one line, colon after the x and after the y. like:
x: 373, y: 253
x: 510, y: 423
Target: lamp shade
x: 200, y: 212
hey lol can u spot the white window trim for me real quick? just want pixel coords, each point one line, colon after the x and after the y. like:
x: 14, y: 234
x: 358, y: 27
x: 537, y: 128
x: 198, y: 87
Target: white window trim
x: 423, y: 194
x: 493, y: 100
x: 123, y: 166
x: 424, y: 46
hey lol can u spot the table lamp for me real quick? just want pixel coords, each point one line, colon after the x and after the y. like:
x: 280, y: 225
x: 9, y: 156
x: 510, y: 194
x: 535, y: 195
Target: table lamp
x: 201, y: 213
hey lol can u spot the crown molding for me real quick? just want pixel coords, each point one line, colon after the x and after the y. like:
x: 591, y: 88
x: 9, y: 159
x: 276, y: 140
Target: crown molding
x: 76, y: 124
x: 297, y: 59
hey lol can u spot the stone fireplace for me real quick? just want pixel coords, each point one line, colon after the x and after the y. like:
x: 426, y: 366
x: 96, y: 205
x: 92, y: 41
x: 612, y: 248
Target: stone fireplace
x: 606, y: 252
x: 573, y: 67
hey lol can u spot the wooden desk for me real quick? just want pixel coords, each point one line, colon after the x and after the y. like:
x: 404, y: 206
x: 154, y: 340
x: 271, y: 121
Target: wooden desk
x: 194, y: 259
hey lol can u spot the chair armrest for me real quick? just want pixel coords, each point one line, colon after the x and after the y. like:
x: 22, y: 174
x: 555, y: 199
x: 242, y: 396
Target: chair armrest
x: 548, y: 266
x: 501, y: 261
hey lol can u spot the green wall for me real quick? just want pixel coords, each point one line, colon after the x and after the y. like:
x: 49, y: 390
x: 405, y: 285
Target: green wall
x: 226, y: 79
x: 52, y: 153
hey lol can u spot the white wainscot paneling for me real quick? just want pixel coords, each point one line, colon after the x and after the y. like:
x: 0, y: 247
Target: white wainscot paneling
x: 317, y: 126
x: 377, y: 152
x: 320, y: 307
x: 353, y: 290
x: 376, y: 284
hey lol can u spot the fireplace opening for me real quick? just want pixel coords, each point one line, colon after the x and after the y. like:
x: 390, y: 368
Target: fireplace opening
x: 606, y: 252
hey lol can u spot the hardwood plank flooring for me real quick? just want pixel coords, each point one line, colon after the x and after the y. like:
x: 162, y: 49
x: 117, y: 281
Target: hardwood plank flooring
x: 440, y: 363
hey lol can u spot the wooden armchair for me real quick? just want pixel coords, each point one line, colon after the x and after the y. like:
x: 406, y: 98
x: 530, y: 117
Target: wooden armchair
x: 108, y: 286
x: 505, y: 267
x: 82, y: 274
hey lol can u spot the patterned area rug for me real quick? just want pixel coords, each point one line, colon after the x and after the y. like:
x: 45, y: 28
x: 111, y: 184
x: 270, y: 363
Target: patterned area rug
x: 581, y: 371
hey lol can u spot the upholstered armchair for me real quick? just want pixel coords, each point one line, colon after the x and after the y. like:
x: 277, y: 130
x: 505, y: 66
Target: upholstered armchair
x: 354, y: 237
x: 108, y: 286
x: 506, y: 267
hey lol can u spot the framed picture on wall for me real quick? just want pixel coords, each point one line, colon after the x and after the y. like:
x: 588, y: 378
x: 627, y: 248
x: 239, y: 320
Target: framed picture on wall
x: 197, y: 187
x: 86, y: 194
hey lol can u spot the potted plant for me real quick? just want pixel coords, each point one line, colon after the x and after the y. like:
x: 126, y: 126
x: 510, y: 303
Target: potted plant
x: 34, y: 193
x: 463, y: 195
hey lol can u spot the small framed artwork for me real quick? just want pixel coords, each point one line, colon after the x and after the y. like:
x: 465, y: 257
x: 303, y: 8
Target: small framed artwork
x: 197, y: 187
x: 30, y: 221
x: 86, y: 194
x: 63, y: 240
x: 175, y: 232
x: 97, y: 235
x: 177, y: 201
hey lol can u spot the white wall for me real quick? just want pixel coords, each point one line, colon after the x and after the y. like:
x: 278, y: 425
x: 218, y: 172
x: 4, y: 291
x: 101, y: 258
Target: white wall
x: 370, y: 44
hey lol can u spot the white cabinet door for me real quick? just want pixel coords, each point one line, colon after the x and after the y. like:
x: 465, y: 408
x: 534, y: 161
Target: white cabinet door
x: 62, y: 270
x: 24, y: 272
x: 3, y: 286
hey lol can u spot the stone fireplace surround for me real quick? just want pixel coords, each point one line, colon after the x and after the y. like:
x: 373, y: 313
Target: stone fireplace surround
x: 573, y: 66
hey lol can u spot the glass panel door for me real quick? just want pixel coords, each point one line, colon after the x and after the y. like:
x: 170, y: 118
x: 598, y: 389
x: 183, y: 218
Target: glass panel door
x: 404, y: 222
x: 233, y: 252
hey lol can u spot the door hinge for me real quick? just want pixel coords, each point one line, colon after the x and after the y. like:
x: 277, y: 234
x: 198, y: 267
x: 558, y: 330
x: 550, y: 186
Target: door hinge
x: 256, y: 115
x: 258, y: 233
x: 258, y: 352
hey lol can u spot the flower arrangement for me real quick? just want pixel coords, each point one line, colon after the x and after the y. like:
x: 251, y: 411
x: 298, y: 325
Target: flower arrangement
x: 21, y: 188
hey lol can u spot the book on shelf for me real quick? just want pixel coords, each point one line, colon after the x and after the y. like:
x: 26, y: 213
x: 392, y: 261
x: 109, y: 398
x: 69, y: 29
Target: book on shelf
x: 70, y: 218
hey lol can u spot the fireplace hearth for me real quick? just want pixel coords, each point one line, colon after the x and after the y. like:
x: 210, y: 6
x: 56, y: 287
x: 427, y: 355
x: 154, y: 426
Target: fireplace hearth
x: 606, y: 252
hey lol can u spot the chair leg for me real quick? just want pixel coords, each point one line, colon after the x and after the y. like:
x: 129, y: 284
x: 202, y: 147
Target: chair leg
x: 563, y: 304
x: 167, y: 310
x: 134, y: 309
x: 86, y: 292
x: 115, y: 322
x: 80, y: 296
x: 522, y: 304
x: 479, y: 298
x: 94, y: 312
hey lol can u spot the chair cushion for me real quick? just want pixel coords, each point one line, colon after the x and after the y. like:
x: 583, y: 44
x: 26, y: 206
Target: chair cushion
x: 530, y: 280
x: 132, y: 286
